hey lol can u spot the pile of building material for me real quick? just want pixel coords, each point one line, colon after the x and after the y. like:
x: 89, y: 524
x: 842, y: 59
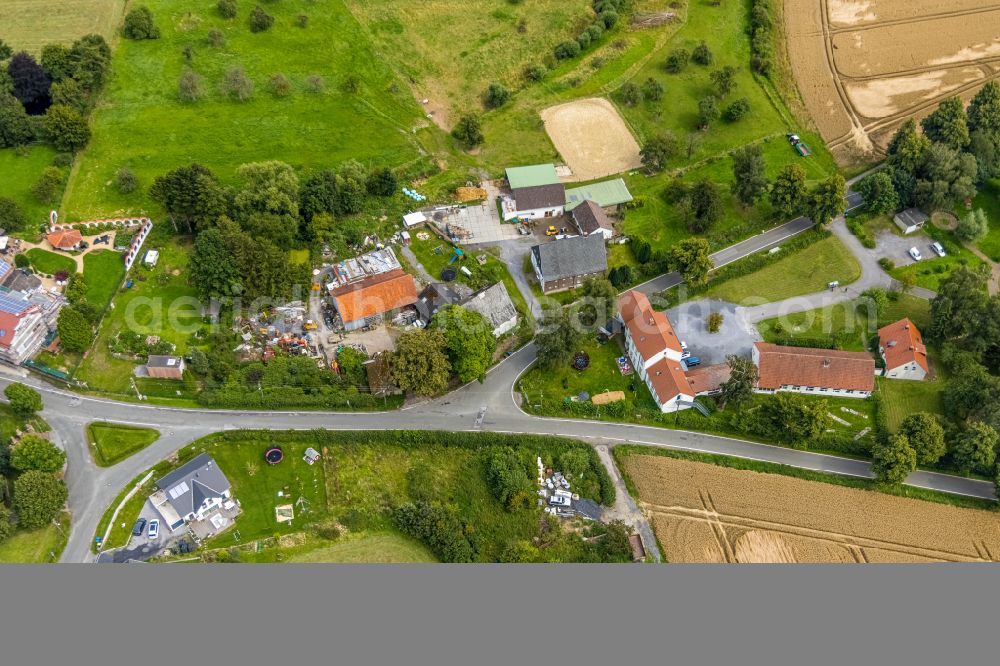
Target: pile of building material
x: 380, y: 261
x: 554, y: 493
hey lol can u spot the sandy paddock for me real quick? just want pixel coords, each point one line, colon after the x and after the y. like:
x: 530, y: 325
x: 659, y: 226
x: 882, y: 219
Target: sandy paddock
x: 706, y: 513
x: 864, y: 66
x: 592, y: 138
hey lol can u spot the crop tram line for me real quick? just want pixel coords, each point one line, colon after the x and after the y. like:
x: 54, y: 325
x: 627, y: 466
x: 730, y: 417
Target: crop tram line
x: 831, y: 65
x: 908, y: 19
x: 845, y: 540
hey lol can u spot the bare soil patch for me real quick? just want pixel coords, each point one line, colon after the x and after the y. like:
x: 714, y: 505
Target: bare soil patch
x: 881, y: 98
x: 859, y: 12
x: 592, y: 138
x: 705, y: 513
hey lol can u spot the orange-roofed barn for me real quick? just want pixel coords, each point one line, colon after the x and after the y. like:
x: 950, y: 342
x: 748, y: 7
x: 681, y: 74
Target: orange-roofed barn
x: 814, y: 371
x: 902, y: 347
x: 372, y: 296
x: 65, y: 240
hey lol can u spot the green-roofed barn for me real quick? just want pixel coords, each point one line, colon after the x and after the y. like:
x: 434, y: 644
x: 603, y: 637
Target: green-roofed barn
x: 608, y: 194
x: 531, y: 176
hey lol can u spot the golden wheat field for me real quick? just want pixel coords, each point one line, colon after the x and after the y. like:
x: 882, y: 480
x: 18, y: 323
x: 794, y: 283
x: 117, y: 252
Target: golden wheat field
x: 864, y: 66
x: 705, y: 513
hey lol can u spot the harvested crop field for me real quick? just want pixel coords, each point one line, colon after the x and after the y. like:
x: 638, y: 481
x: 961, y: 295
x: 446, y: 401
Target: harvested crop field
x: 592, y: 138
x: 863, y: 67
x: 705, y: 513
x: 30, y: 24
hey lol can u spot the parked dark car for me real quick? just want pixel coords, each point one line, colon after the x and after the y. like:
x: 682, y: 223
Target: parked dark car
x: 140, y: 525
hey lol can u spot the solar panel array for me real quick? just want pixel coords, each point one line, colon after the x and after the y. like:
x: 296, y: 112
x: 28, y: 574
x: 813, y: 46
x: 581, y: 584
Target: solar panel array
x: 13, y: 302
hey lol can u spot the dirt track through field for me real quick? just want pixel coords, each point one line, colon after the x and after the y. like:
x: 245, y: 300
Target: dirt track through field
x: 864, y: 66
x: 592, y: 138
x: 706, y: 513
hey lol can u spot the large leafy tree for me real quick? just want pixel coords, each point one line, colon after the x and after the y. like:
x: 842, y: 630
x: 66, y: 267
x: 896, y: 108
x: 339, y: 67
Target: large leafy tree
x: 15, y: 126
x: 24, y: 400
x: 984, y: 109
x: 948, y: 124
x: 946, y: 175
x: 599, y: 302
x: 31, y: 83
x: 826, y: 200
x: 91, y: 59
x: 743, y: 377
x: 893, y: 459
x: 879, y: 192
x: 557, y: 339
x: 703, y: 206
x: 139, y: 24
x: 749, y: 173
x: 420, y: 363
x: 268, y: 187
x: 213, y: 264
x: 66, y: 128
x: 789, y: 191
x: 57, y: 61
x: 468, y: 339
x: 74, y: 329
x: 191, y: 195
x: 925, y: 435
x: 959, y: 308
x: 507, y: 476
x: 907, y: 147
x: 38, y: 498
x: 690, y: 257
x: 35, y: 453
x: 12, y: 217
x: 657, y: 151
x: 975, y: 449
x: 973, y: 226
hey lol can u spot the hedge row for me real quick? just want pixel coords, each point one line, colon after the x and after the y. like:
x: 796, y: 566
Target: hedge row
x: 761, y: 42
x: 857, y: 228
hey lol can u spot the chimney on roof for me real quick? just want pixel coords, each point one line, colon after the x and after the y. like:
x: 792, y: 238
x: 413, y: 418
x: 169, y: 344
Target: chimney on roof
x: 891, y: 343
x: 826, y: 363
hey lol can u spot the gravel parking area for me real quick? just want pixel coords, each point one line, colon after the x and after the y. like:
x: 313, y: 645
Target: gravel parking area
x: 690, y: 321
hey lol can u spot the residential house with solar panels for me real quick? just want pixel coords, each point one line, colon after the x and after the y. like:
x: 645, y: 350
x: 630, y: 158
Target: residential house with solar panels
x: 22, y: 327
x: 191, y: 492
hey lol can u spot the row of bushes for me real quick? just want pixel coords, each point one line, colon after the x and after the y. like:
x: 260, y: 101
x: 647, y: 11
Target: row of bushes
x: 857, y: 228
x: 752, y: 264
x: 321, y: 397
x: 607, y: 18
x: 761, y: 42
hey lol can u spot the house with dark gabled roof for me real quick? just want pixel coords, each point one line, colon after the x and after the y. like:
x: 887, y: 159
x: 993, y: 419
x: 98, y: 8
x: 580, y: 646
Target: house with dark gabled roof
x: 191, y: 492
x: 566, y: 263
x: 591, y: 219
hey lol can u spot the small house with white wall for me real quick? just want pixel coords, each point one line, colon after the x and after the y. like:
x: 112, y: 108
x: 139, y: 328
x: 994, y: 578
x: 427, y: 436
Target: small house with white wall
x: 191, y: 492
x: 902, y: 348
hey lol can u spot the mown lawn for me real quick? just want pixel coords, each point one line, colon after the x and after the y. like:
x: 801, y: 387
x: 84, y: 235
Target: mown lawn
x: 160, y: 302
x: 103, y: 272
x: 143, y: 125
x: 805, y: 272
x: 113, y: 443
x: 848, y: 322
x: 42, y: 545
x: 552, y: 386
x: 18, y: 172
x: 49, y: 263
x: 904, y: 397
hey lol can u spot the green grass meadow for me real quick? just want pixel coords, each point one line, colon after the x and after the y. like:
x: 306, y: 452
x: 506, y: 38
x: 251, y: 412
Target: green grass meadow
x: 142, y: 124
x: 804, y: 272
x: 18, y: 172
x: 37, y: 546
x: 50, y: 263
x: 113, y: 443
x: 103, y: 272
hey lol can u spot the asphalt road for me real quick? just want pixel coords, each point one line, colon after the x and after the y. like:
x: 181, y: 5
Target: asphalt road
x: 93, y: 488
